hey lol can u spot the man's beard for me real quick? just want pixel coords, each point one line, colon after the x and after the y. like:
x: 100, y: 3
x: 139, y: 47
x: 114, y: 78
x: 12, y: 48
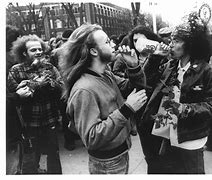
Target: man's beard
x: 104, y: 58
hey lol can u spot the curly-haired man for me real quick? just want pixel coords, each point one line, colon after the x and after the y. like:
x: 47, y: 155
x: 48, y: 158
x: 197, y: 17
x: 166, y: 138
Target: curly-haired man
x: 40, y: 111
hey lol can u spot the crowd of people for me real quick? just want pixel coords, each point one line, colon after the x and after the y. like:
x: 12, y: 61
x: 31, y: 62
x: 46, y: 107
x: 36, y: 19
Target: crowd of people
x: 103, y: 90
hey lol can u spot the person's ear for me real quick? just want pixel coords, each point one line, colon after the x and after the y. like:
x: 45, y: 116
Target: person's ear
x: 93, y: 51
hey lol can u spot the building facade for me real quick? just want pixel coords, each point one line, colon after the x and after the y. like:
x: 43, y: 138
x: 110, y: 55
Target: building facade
x: 54, y: 18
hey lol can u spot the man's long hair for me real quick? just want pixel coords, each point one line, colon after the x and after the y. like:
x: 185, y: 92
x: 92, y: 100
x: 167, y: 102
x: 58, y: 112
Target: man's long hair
x: 74, y: 57
x: 194, y: 33
x: 19, y: 47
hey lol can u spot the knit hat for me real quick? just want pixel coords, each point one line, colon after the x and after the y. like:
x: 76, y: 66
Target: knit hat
x: 66, y: 34
x: 165, y: 32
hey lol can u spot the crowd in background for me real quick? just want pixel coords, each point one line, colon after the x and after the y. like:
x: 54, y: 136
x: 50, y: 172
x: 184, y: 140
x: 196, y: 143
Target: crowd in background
x: 36, y: 107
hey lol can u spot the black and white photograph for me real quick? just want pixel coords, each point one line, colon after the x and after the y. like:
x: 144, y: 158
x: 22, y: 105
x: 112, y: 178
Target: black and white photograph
x: 106, y: 87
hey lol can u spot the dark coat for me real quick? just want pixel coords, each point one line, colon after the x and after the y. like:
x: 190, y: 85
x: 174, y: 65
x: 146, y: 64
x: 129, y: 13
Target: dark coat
x: 196, y: 92
x: 13, y: 125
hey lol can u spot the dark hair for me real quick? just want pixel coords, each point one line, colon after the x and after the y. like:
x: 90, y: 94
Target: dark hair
x: 19, y: 46
x: 198, y: 46
x: 74, y: 57
x: 121, y: 37
x: 66, y: 34
x: 12, y: 33
x: 195, y: 35
x: 145, y: 31
x: 114, y: 38
x: 125, y: 41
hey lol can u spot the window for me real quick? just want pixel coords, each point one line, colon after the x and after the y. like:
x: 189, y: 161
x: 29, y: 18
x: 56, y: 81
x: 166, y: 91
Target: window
x: 76, y: 10
x: 56, y: 12
x: 33, y: 26
x: 64, y: 11
x: 58, y: 23
x: 97, y: 19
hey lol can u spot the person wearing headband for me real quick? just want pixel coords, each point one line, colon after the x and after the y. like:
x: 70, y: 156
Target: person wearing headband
x: 181, y: 92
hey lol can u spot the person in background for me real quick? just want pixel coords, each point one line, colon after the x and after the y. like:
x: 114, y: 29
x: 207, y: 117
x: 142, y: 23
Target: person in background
x: 40, y: 111
x: 121, y: 37
x: 114, y: 39
x: 52, y: 43
x: 182, y: 98
x: 62, y: 40
x: 65, y: 35
x: 208, y: 145
x: 165, y: 34
x: 120, y: 67
x: 95, y: 105
x: 14, y: 140
x: 14, y: 131
x: 70, y: 134
x: 137, y: 39
x: 12, y: 33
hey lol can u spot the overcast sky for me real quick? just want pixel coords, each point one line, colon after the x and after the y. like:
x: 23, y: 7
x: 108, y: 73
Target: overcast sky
x: 170, y: 10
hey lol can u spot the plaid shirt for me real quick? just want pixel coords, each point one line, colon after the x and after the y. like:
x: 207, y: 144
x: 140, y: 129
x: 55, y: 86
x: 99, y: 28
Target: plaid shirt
x: 43, y: 107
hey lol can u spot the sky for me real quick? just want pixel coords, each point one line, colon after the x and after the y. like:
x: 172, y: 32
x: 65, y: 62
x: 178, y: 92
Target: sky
x: 170, y: 10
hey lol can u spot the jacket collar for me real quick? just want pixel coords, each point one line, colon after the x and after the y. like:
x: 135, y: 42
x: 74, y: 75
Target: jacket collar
x: 88, y: 71
x: 184, y: 68
x: 195, y: 66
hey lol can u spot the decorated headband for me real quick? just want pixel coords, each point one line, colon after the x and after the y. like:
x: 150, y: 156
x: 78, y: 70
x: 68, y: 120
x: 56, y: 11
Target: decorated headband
x: 189, y: 28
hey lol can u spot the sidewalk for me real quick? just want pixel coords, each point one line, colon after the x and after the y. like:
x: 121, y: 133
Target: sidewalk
x: 76, y: 161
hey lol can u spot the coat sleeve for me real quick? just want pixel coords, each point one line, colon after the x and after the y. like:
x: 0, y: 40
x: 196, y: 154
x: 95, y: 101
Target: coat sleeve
x: 136, y: 79
x: 58, y: 81
x: 119, y: 67
x: 152, y: 69
x: 201, y: 110
x: 12, y: 80
x: 84, y: 112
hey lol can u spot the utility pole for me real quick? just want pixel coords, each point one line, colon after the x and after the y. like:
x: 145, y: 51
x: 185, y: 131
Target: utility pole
x: 153, y: 4
x: 135, y: 11
x: 46, y: 22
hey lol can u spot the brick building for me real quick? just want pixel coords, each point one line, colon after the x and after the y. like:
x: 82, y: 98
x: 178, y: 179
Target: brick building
x: 55, y: 18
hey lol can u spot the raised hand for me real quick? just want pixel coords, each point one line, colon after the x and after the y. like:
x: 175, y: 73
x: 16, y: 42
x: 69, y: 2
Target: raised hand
x: 162, y: 49
x: 24, y: 92
x: 22, y: 84
x: 136, y: 99
x: 129, y: 55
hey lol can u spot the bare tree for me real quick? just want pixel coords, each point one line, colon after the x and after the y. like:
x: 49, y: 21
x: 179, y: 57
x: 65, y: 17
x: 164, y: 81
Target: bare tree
x: 69, y: 9
x: 81, y: 13
x: 24, y: 22
x: 19, y: 19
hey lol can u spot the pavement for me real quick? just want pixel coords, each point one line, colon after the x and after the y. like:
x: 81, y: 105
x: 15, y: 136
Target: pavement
x: 76, y: 161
